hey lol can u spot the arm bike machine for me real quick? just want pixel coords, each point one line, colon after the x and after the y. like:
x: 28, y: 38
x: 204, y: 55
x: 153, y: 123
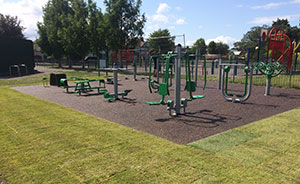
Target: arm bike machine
x: 179, y: 103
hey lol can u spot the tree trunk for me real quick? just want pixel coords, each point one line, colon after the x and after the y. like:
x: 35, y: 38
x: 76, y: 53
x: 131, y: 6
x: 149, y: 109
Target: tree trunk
x: 70, y: 62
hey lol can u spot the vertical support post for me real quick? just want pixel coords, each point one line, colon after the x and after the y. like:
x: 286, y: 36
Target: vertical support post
x: 220, y: 73
x: 177, y: 80
x: 258, y: 52
x: 290, y: 77
x: 157, y: 70
x: 134, y: 70
x: 268, y: 86
x: 248, y: 57
x: 115, y: 70
x: 98, y: 67
x: 197, y: 63
x: 235, y: 67
x: 213, y: 67
x: 296, y: 59
x: 192, y: 69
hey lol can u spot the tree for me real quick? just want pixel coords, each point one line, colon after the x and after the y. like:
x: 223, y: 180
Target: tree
x: 222, y: 48
x: 291, y: 32
x: 95, y: 28
x: 161, y: 41
x: 124, y: 23
x: 64, y: 29
x: 199, y: 44
x: 50, y: 29
x: 250, y: 39
x: 212, y: 48
x: 10, y: 27
x: 74, y: 31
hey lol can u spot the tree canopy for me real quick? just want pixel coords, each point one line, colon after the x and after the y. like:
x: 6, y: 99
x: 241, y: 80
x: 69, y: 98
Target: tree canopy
x: 74, y: 28
x: 212, y: 48
x: 250, y: 39
x: 199, y: 44
x: 124, y: 23
x: 10, y: 27
x: 161, y: 41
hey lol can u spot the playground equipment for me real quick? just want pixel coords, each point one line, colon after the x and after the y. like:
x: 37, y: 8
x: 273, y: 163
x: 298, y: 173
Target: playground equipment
x: 165, y: 62
x: 115, y: 96
x: 191, y: 85
x: 163, y: 87
x: 295, y: 53
x: 279, y: 57
x: 225, y: 68
x: 270, y: 70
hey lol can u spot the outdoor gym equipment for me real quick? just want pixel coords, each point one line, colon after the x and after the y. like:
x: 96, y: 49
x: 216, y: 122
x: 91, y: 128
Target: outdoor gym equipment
x: 225, y: 68
x: 115, y: 96
x: 279, y: 57
x: 270, y: 70
x: 191, y: 85
x: 161, y: 61
x: 163, y: 87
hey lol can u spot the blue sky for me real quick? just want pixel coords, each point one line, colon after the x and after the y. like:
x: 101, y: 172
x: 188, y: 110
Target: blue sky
x: 218, y: 20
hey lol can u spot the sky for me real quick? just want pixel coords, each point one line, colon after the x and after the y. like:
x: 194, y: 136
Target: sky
x: 214, y: 20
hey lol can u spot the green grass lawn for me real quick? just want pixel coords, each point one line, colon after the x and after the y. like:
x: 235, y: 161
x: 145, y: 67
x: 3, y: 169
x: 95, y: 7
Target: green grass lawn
x: 42, y: 142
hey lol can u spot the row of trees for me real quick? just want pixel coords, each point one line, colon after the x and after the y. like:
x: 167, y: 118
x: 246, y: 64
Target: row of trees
x: 161, y: 41
x: 73, y: 28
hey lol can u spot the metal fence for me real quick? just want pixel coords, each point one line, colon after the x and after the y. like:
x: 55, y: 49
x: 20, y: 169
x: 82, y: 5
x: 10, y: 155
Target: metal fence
x: 288, y: 80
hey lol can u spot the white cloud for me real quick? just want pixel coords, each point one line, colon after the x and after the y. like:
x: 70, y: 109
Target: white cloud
x: 160, y: 18
x: 295, y: 2
x: 269, y: 20
x: 178, y: 8
x: 228, y: 25
x: 180, y: 21
x: 200, y: 27
x: 29, y: 12
x: 163, y: 8
x: 224, y: 39
x: 269, y: 6
x: 171, y: 27
x: 190, y: 43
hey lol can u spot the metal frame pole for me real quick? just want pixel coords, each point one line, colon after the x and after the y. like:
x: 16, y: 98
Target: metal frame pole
x: 268, y: 86
x: 197, y: 63
x: 177, y: 80
x: 220, y: 73
x: 115, y: 70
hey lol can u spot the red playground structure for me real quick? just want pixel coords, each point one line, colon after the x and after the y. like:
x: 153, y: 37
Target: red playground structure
x: 279, y: 48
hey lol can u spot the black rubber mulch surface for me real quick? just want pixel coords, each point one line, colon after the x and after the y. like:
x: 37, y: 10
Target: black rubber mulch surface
x: 204, y: 117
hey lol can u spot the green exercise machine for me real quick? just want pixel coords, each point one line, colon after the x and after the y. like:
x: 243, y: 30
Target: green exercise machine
x: 179, y: 103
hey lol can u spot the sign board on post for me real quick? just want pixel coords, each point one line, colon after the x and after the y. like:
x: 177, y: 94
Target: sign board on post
x: 264, y: 34
x: 102, y: 63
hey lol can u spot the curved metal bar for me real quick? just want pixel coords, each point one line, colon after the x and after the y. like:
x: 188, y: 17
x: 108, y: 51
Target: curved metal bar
x: 247, y: 90
x: 246, y: 97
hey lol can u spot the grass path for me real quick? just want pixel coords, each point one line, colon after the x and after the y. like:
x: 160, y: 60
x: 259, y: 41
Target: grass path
x: 42, y: 142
